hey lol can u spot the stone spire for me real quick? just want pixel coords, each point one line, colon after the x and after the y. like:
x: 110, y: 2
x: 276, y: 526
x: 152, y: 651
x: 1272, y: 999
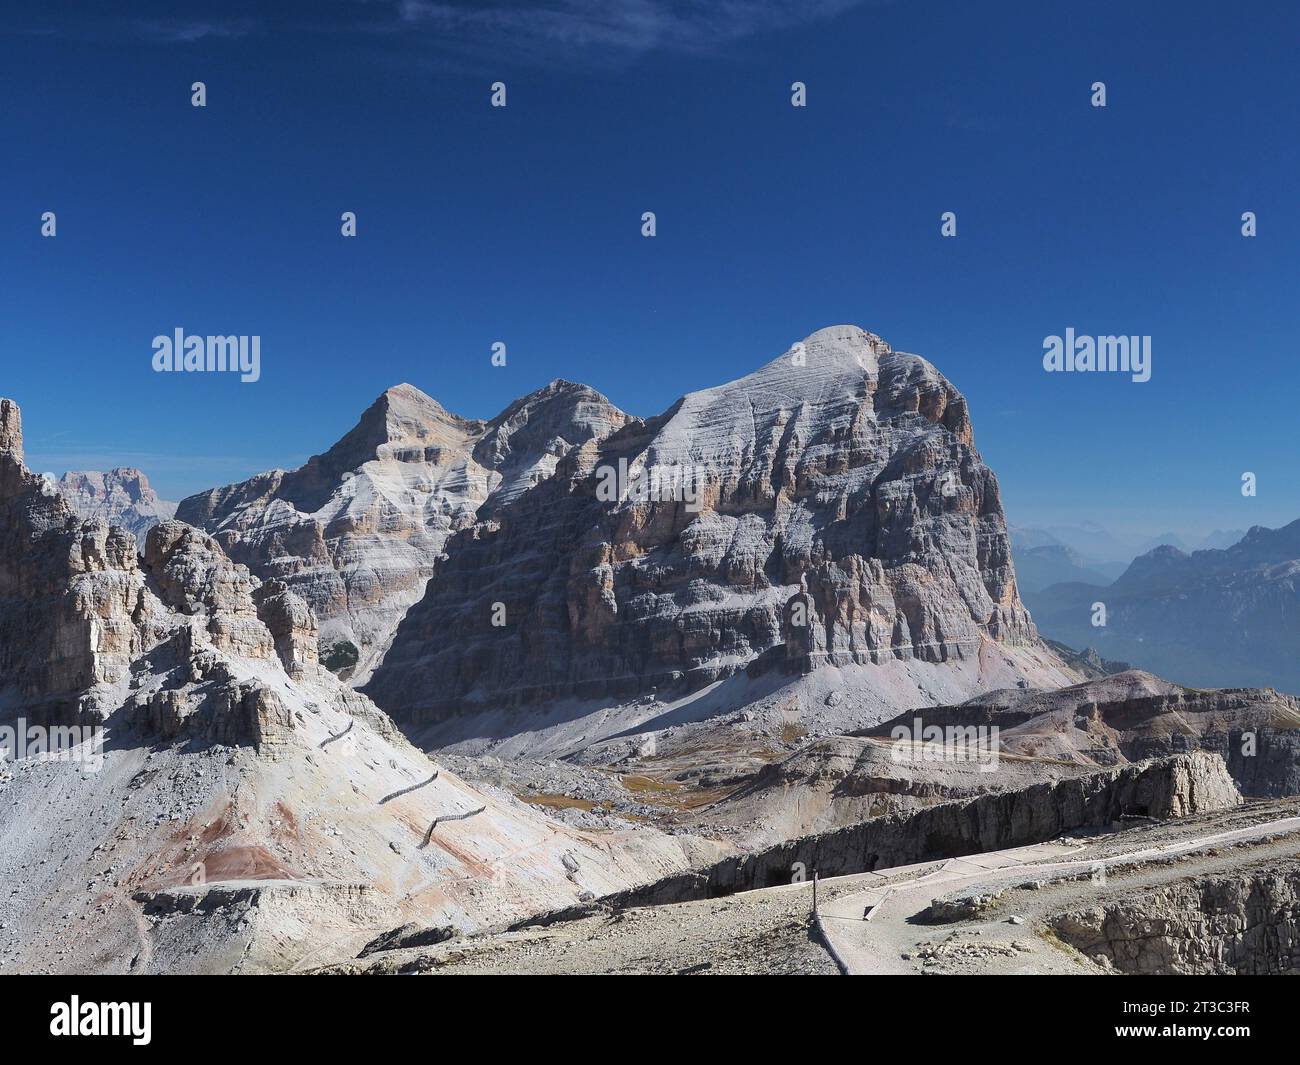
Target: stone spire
x: 11, y: 429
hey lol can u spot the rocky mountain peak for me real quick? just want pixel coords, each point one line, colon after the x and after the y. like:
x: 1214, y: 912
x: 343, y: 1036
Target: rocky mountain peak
x: 841, y: 467
x: 127, y: 479
x: 11, y: 429
x: 848, y: 342
x: 525, y: 442
x: 357, y: 530
x: 122, y: 496
x: 403, y: 424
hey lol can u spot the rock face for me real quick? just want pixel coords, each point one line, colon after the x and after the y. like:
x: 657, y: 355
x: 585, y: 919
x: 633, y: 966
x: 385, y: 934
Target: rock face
x: 840, y: 780
x: 828, y: 509
x: 121, y: 497
x: 356, y: 531
x: 1244, y: 923
x: 231, y: 756
x: 1213, y: 618
x: 74, y: 612
x: 1164, y: 788
x: 1133, y: 716
x: 11, y: 430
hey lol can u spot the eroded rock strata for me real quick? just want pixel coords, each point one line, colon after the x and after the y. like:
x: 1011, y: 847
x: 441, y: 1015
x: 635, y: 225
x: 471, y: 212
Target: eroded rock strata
x: 1130, y: 716
x: 357, y: 530
x: 828, y: 509
x: 227, y: 755
x: 1165, y: 788
x: 1240, y: 923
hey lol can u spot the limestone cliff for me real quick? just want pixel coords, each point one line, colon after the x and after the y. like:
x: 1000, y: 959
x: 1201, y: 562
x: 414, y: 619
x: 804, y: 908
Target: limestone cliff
x: 121, y: 497
x: 356, y: 531
x: 240, y: 807
x: 830, y: 508
x: 1242, y: 923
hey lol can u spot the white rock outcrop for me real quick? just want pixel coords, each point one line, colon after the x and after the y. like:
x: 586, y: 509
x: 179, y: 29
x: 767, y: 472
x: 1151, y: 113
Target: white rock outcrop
x: 828, y: 509
x: 240, y: 808
x: 356, y: 531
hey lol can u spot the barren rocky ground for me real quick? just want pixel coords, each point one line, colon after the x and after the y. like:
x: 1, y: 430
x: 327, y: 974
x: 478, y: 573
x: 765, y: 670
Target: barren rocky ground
x: 1006, y: 914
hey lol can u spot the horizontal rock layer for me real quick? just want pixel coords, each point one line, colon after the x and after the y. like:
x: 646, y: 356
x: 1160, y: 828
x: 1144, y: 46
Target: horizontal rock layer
x: 1170, y: 787
x: 828, y: 509
x: 1242, y: 923
x: 356, y: 531
x: 1133, y: 716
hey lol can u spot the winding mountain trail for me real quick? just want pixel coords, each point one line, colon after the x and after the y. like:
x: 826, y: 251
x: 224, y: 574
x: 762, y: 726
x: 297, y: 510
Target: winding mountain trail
x: 877, y: 945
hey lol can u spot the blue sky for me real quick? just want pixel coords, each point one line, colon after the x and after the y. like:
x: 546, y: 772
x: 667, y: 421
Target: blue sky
x: 523, y: 224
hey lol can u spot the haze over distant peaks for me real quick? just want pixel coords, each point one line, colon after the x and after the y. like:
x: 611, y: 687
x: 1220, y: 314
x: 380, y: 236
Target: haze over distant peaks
x: 122, y: 496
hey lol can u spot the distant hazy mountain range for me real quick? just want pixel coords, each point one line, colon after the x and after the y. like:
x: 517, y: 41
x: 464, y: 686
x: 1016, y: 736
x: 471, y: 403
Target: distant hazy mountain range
x: 1097, y: 549
x: 1041, y: 567
x: 122, y: 497
x: 1212, y: 617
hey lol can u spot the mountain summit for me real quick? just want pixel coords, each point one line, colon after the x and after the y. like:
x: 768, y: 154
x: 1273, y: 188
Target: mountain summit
x: 122, y: 496
x: 828, y: 509
x: 356, y: 531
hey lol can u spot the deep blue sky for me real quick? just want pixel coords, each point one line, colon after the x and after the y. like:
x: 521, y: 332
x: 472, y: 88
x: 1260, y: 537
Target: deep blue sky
x: 523, y: 224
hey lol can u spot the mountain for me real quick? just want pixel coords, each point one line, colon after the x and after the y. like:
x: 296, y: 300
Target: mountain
x: 1088, y: 548
x: 357, y: 530
x: 220, y: 802
x: 1038, y: 567
x: 121, y: 497
x: 828, y: 510
x: 1132, y: 716
x: 1222, y: 617
x: 1220, y: 538
x: 1168, y: 539
x: 1092, y: 542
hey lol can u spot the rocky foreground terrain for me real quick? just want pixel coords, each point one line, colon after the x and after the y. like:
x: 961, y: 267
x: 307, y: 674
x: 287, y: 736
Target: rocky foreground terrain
x: 1206, y: 887
x: 569, y: 690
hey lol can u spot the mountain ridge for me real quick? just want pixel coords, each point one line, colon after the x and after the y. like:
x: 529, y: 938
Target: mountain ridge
x: 357, y: 529
x: 840, y: 466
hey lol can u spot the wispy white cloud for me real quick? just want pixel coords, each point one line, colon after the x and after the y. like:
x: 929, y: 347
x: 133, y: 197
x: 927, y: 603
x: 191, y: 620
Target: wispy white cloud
x: 620, y: 26
x: 541, y: 32
x: 184, y: 31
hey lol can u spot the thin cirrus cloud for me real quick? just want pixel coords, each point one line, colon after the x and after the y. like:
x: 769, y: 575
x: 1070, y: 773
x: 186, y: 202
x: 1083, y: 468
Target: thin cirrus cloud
x: 542, y: 33
x: 629, y: 27
x: 183, y: 32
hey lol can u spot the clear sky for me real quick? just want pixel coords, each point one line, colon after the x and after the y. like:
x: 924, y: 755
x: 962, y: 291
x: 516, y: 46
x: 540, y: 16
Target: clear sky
x: 523, y: 224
